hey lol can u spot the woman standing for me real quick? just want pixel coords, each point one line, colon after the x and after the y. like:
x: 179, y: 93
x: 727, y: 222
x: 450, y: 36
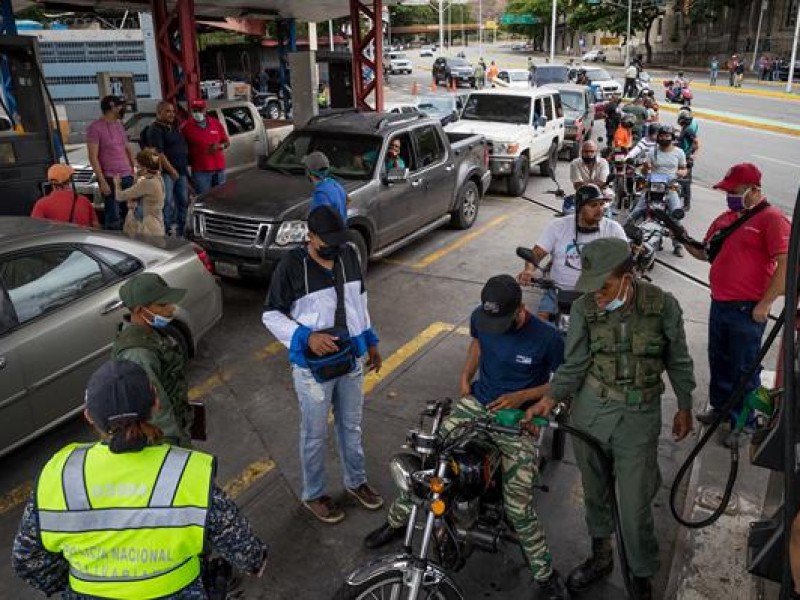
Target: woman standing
x: 145, y: 198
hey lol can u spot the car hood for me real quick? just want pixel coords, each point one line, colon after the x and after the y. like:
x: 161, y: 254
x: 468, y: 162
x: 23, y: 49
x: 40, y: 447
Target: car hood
x: 500, y: 132
x: 265, y: 195
x: 462, y: 69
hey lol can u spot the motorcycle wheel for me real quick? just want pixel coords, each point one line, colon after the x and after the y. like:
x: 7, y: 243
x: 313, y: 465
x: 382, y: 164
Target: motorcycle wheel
x: 390, y: 585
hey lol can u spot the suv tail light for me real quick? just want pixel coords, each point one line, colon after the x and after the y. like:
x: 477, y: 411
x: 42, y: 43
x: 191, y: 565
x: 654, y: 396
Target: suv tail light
x: 486, y: 156
x: 202, y: 255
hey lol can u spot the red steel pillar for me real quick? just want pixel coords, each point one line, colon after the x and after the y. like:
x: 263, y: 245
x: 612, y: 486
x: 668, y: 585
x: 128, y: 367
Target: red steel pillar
x: 372, y: 12
x: 176, y: 41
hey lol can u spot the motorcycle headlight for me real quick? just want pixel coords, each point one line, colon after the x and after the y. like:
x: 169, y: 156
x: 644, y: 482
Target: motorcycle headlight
x: 292, y: 232
x: 659, y: 188
x: 402, y: 467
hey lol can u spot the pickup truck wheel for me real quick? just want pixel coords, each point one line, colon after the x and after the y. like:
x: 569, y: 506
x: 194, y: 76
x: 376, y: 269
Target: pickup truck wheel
x: 548, y: 167
x: 273, y: 110
x: 518, y: 180
x: 466, y: 211
x: 361, y: 246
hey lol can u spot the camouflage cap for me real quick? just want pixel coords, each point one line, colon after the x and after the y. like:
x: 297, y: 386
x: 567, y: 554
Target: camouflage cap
x: 598, y: 260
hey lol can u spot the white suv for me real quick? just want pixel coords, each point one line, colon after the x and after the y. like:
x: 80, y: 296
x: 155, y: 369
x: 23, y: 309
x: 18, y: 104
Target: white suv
x: 524, y: 128
x: 398, y: 63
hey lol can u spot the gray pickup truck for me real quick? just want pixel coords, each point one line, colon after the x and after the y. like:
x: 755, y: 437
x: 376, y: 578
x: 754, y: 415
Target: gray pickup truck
x: 249, y: 223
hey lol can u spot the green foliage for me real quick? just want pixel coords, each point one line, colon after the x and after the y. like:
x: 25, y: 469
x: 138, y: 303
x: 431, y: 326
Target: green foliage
x: 614, y: 17
x: 402, y: 16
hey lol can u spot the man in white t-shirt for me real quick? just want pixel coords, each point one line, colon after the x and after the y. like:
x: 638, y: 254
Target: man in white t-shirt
x: 590, y: 169
x: 564, y: 238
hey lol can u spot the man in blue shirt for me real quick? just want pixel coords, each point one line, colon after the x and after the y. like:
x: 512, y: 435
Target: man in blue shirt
x: 327, y: 191
x: 514, y: 354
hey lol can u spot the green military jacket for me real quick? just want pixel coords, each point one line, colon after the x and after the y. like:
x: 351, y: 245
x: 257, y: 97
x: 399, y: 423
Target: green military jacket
x: 655, y: 341
x: 160, y: 357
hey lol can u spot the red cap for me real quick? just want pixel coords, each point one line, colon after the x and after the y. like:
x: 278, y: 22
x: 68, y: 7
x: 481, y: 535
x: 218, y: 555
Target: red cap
x: 198, y: 104
x: 741, y: 174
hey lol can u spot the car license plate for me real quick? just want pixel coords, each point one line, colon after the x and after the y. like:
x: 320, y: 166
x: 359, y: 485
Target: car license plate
x: 225, y: 269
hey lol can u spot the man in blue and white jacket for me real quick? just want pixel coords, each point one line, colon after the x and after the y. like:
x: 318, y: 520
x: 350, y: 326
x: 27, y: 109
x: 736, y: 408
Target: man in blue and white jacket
x: 301, y: 303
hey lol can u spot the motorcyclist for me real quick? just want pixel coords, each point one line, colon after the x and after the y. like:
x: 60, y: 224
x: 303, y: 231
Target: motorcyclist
x: 590, y: 169
x: 690, y: 144
x: 613, y: 116
x: 645, y: 145
x: 623, y: 136
x: 664, y: 159
x: 514, y: 355
x: 638, y: 110
x: 564, y: 238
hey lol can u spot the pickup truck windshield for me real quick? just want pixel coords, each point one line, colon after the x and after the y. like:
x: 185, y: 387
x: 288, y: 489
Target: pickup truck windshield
x: 351, y: 157
x: 598, y: 75
x: 498, y: 108
x: 573, y: 101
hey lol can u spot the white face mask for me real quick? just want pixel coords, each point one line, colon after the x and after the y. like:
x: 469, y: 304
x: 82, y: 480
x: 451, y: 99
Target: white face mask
x: 199, y: 116
x: 618, y: 302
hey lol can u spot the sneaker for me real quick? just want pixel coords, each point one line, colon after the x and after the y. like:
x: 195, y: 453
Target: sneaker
x: 324, y: 509
x: 678, y: 252
x: 369, y: 498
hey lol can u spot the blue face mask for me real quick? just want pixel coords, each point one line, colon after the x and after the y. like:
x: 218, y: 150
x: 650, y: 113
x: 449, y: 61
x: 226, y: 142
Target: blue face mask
x: 617, y: 302
x: 157, y: 321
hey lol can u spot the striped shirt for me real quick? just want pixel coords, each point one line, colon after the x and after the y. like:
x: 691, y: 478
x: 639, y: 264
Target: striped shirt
x: 642, y: 149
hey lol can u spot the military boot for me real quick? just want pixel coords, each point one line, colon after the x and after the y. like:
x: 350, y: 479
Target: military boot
x: 553, y: 588
x: 593, y: 569
x: 642, y: 588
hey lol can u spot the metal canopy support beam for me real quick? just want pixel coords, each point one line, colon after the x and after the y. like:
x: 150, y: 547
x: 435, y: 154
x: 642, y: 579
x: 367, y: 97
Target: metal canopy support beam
x: 371, y: 11
x: 9, y: 25
x: 176, y: 42
x: 287, y: 42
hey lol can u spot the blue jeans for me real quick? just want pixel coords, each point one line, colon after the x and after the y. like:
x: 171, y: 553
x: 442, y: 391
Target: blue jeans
x: 734, y: 340
x: 114, y: 212
x: 673, y: 204
x: 176, y: 200
x: 346, y: 397
x: 205, y: 180
x: 549, y: 302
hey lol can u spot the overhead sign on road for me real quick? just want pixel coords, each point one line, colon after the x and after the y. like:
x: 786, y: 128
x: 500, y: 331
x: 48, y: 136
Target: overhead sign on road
x: 609, y: 41
x: 491, y: 25
x: 513, y: 19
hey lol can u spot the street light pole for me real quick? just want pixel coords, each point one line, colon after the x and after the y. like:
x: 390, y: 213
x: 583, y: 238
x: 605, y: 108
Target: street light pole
x: 553, y: 32
x: 480, y: 26
x: 628, y: 38
x: 764, y: 6
x: 441, y: 24
x: 794, y: 50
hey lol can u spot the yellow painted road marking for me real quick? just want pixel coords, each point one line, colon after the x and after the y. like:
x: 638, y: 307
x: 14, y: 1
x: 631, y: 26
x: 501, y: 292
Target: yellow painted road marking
x: 15, y: 497
x: 458, y: 243
x: 745, y: 91
x: 252, y: 473
x: 698, y: 112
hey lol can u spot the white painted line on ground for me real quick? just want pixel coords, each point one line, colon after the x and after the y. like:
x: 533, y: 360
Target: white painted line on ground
x: 777, y: 160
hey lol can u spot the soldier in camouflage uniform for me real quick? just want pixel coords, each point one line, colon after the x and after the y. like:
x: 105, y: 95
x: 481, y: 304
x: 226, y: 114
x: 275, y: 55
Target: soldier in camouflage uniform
x: 516, y: 353
x: 623, y: 335
x: 141, y: 339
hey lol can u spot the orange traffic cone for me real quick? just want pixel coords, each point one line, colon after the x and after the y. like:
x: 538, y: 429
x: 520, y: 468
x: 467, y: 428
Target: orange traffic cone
x: 433, y: 86
x: 414, y: 89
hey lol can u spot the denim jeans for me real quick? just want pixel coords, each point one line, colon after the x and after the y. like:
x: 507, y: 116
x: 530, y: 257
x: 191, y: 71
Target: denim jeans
x: 205, y: 180
x: 114, y: 212
x: 673, y: 204
x: 346, y: 397
x: 176, y: 200
x: 734, y: 339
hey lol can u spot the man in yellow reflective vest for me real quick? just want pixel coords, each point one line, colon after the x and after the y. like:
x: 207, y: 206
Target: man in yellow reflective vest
x: 128, y: 517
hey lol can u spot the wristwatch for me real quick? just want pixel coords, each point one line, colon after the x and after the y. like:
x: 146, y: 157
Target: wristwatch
x: 560, y: 410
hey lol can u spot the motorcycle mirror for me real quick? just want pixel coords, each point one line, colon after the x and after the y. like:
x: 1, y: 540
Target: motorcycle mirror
x: 527, y: 255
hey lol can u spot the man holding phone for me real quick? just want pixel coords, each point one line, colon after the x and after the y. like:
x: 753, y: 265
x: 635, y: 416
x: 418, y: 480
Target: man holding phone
x: 207, y: 142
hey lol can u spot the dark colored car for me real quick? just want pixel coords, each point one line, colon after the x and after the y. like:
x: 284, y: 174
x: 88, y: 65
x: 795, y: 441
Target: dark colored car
x: 544, y: 74
x: 579, y: 114
x: 453, y: 71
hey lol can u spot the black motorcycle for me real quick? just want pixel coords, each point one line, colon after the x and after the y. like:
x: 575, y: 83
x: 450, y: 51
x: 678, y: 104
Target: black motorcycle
x: 455, y: 483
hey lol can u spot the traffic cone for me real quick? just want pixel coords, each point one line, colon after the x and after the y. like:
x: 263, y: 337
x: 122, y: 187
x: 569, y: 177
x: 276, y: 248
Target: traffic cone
x: 452, y: 85
x: 414, y: 89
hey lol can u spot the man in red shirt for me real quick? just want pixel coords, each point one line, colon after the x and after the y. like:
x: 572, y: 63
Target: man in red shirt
x: 207, y: 141
x: 64, y: 203
x: 748, y: 272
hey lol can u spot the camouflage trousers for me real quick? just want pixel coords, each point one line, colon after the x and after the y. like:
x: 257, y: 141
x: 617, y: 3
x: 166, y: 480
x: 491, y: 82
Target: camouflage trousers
x: 519, y: 476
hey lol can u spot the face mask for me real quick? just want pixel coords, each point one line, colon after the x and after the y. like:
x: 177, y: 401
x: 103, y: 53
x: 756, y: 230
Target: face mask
x: 199, y: 117
x: 158, y: 322
x: 589, y: 160
x: 664, y: 143
x: 329, y: 252
x: 736, y: 201
x: 618, y: 302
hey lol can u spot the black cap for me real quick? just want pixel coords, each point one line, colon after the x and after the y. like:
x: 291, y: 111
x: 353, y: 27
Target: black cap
x: 326, y: 222
x: 119, y: 392
x: 501, y: 297
x: 109, y: 102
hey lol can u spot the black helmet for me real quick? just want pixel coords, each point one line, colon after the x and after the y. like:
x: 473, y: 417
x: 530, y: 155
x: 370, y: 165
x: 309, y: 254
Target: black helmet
x: 685, y: 116
x: 653, y: 129
x: 666, y: 130
x: 587, y: 193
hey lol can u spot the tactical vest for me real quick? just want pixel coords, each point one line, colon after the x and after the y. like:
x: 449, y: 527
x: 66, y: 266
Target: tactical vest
x: 130, y: 525
x: 173, y: 376
x: 628, y: 353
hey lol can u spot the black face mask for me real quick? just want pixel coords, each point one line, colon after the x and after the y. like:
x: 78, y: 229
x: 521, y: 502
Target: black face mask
x: 329, y: 252
x: 664, y: 143
x: 589, y: 160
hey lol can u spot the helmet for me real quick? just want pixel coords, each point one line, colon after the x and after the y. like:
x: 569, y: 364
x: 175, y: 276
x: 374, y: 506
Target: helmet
x: 685, y: 116
x: 653, y: 129
x: 629, y: 120
x: 587, y: 193
x: 666, y: 130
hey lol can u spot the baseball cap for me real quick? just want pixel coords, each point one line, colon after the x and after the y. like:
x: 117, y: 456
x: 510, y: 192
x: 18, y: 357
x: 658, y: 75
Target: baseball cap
x: 316, y: 162
x: 501, y: 297
x: 60, y: 173
x: 326, y: 222
x: 109, y: 102
x: 197, y: 105
x: 741, y: 174
x: 598, y: 260
x: 119, y: 391
x: 149, y: 288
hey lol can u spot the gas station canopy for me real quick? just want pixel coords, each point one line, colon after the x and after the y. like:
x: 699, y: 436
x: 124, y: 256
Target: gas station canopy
x: 302, y: 10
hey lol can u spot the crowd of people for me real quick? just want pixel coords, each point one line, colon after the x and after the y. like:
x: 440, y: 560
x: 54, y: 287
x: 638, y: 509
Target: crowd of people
x: 146, y: 193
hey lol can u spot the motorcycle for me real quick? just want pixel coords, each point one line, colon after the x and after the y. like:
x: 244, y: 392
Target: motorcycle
x: 678, y: 94
x: 622, y: 177
x: 455, y: 482
x: 643, y: 82
x: 651, y: 228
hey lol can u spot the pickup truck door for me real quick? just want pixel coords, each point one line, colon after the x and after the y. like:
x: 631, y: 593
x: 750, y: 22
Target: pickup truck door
x: 395, y: 212
x: 438, y: 171
x: 539, y: 144
x: 246, y: 134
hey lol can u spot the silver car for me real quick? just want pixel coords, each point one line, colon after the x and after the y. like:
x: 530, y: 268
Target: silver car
x: 60, y: 310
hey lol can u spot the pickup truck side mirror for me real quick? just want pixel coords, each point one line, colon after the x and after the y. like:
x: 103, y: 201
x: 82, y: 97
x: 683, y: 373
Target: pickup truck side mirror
x: 395, y: 176
x: 262, y: 161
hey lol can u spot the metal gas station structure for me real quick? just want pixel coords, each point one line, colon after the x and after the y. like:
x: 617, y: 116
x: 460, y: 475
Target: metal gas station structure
x: 176, y: 34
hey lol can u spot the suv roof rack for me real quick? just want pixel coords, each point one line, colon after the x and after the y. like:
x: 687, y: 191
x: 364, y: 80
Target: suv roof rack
x: 398, y: 119
x: 332, y: 114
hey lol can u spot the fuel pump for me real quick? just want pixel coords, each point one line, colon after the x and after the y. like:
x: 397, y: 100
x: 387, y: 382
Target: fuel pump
x: 27, y: 143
